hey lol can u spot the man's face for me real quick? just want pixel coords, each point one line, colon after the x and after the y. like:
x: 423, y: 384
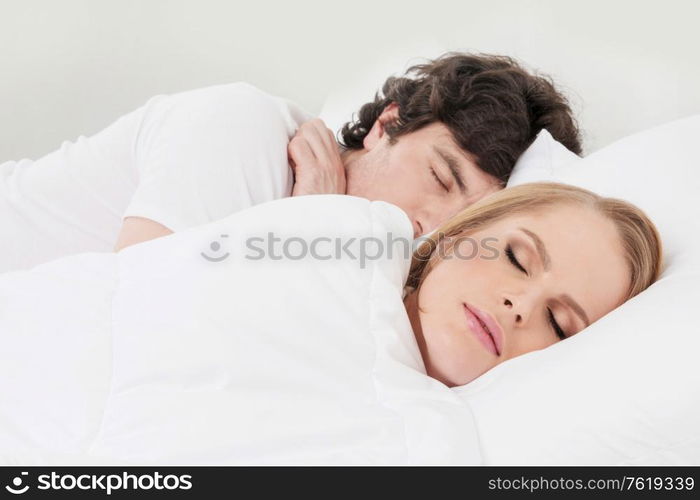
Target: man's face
x: 425, y: 173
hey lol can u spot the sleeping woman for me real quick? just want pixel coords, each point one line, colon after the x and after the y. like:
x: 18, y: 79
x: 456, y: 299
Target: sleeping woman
x: 551, y: 259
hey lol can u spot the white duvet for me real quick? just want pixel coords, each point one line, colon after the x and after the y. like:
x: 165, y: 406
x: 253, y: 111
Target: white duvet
x: 172, y: 352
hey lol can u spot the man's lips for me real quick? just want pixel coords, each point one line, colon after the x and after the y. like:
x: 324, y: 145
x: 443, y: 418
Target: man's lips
x: 485, y: 328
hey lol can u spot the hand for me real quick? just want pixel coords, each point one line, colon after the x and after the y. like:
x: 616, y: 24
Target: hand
x: 315, y: 160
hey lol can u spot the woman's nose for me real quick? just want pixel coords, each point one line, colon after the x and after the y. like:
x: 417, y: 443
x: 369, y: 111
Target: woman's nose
x: 514, y: 307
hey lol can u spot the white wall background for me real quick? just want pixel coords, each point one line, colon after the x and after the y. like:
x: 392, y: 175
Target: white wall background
x: 71, y: 67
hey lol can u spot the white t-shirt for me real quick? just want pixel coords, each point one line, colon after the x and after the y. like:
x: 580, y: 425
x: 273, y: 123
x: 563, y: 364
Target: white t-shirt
x: 181, y: 160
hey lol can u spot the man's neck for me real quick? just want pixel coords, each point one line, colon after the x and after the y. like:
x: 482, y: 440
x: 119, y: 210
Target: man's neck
x: 350, y: 158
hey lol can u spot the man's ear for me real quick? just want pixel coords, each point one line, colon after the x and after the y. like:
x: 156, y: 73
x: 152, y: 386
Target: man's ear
x: 389, y: 114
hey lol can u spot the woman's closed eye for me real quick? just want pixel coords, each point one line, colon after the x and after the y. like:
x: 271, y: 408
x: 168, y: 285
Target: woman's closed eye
x: 550, y: 315
x: 555, y: 326
x: 513, y: 259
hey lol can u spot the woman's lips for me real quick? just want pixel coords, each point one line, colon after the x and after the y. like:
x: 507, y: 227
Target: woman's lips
x: 489, y: 337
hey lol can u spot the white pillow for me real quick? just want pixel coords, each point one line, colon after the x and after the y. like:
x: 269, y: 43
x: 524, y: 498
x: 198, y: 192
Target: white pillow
x: 544, y: 156
x: 627, y: 389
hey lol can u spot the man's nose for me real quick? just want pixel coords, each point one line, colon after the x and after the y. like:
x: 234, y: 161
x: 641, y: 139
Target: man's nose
x: 429, y: 222
x: 417, y: 228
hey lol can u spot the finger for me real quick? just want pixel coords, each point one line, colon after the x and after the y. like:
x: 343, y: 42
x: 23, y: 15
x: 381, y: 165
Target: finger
x: 325, y: 133
x: 331, y: 138
x: 300, y: 152
x: 337, y: 158
x: 318, y: 128
x: 334, y: 149
x: 317, y: 140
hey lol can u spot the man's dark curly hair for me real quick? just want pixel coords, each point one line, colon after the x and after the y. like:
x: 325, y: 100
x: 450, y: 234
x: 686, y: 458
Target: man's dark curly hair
x: 493, y: 107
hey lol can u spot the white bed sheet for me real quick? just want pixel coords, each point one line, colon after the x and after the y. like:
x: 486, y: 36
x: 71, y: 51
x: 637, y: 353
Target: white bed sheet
x: 158, y: 355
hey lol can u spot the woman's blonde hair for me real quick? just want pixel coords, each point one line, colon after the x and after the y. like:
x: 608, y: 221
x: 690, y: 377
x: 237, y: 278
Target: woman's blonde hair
x: 638, y: 235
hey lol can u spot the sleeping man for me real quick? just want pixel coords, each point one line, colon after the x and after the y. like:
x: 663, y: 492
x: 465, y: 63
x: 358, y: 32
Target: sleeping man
x: 432, y: 142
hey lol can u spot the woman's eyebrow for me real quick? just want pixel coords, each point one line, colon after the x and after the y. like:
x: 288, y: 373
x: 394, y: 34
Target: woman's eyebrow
x: 546, y: 262
x: 453, y: 165
x: 539, y: 245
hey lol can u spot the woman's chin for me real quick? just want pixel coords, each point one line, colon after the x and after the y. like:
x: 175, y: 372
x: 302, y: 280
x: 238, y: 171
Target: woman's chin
x: 447, y: 378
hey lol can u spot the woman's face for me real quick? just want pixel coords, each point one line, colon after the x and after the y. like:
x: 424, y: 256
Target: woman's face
x: 499, y: 294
